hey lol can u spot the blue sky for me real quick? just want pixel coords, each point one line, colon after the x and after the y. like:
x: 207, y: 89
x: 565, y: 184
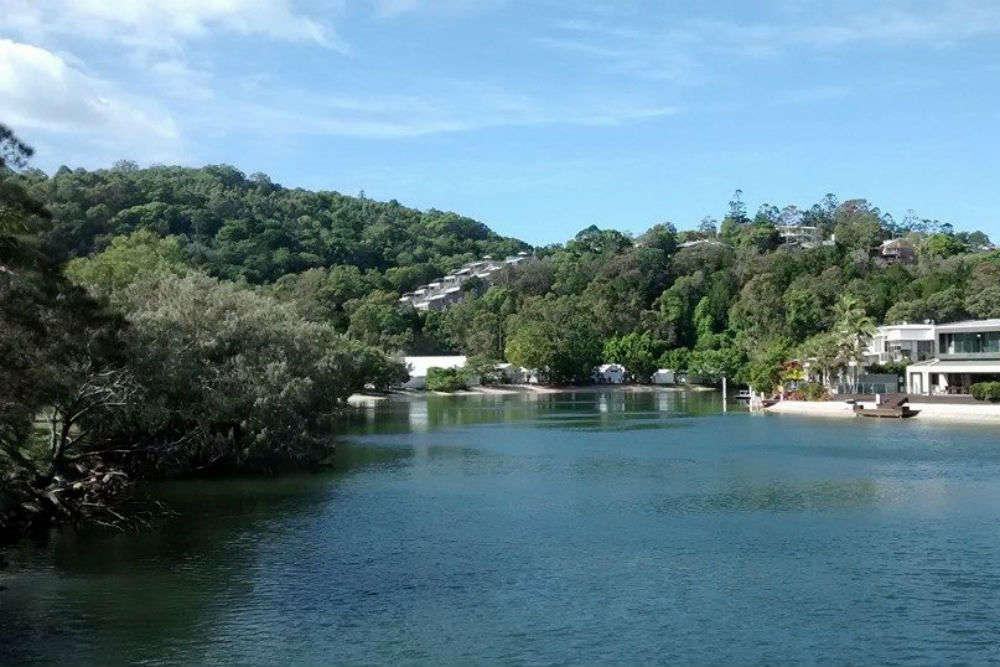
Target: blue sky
x: 538, y: 118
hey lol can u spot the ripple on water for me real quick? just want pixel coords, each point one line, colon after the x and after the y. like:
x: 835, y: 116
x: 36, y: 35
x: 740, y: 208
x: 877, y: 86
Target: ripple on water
x: 589, y: 529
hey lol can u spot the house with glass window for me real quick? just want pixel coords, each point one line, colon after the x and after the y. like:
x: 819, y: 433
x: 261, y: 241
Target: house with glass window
x: 896, y: 343
x: 965, y: 353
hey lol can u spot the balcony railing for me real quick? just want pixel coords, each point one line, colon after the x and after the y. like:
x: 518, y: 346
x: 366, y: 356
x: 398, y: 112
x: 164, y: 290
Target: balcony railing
x: 969, y: 355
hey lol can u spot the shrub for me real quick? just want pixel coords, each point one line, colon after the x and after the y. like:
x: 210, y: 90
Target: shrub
x: 986, y: 391
x: 484, y: 368
x: 888, y: 368
x: 446, y: 379
x: 813, y: 391
x: 229, y: 378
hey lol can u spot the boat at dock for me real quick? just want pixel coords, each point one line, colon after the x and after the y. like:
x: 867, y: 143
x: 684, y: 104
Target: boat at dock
x: 890, y: 406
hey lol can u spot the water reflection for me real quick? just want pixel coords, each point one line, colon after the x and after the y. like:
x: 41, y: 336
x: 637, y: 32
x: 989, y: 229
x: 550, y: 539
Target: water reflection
x: 611, y: 409
x: 587, y: 527
x: 84, y: 597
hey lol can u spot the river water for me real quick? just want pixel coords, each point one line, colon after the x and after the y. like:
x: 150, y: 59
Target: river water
x: 589, y: 528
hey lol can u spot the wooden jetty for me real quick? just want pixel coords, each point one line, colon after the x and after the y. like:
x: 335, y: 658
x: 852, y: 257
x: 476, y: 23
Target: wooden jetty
x: 890, y: 406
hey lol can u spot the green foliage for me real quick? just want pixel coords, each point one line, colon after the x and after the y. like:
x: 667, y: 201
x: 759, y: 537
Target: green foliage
x: 378, y: 320
x: 764, y: 371
x: 677, y: 359
x: 638, y: 353
x: 823, y: 352
x: 733, y: 303
x: 223, y: 376
x: 984, y: 303
x: 554, y: 336
x: 853, y: 327
x: 238, y: 227
x: 888, y: 368
x: 812, y: 391
x: 942, y: 245
x: 478, y: 326
x: 716, y: 363
x: 986, y: 391
x: 676, y: 307
x: 598, y: 241
x: 484, y: 368
x: 232, y: 378
x: 129, y: 259
x: 447, y: 379
x: 858, y: 227
x: 804, y: 312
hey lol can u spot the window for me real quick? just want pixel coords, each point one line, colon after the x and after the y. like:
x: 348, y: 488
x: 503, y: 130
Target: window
x: 983, y: 342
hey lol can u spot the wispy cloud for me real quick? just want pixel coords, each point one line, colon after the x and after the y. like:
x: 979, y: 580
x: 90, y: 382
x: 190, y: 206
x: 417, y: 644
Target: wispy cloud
x: 394, y: 8
x: 447, y: 107
x: 812, y: 94
x: 677, y: 50
x: 165, y: 25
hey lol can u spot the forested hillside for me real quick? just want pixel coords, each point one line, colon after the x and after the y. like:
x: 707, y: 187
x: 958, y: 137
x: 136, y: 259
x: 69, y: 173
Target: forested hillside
x: 738, y: 295
x: 239, y: 227
x: 169, y: 320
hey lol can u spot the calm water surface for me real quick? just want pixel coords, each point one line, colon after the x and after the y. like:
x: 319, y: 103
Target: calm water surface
x: 569, y: 529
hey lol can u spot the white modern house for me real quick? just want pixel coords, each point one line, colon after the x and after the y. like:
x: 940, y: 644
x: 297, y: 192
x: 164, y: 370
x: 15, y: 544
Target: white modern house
x: 418, y: 367
x: 901, y: 342
x: 964, y: 353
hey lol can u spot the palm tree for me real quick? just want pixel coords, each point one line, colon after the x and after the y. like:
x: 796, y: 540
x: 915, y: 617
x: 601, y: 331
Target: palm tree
x: 853, y: 329
x: 822, y: 351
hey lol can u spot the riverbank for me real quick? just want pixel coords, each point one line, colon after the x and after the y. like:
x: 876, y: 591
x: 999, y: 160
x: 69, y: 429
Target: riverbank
x: 371, y: 400
x: 937, y: 412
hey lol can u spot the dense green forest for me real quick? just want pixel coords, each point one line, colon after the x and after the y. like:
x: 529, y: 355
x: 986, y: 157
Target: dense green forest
x: 172, y: 320
x: 647, y: 301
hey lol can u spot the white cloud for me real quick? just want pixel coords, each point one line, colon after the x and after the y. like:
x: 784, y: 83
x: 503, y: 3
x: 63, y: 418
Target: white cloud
x: 812, y: 94
x: 448, y: 107
x: 40, y: 91
x: 182, y: 81
x: 157, y: 25
x: 393, y: 8
x: 677, y: 50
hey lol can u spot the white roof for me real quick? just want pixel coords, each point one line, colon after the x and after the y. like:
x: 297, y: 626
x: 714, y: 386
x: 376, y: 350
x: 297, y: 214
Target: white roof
x: 970, y: 325
x: 688, y: 244
x: 907, y: 332
x: 604, y: 368
x: 418, y: 365
x: 895, y: 242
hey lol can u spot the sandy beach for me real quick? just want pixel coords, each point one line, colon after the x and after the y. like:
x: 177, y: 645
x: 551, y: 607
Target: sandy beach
x: 943, y: 412
x: 371, y: 400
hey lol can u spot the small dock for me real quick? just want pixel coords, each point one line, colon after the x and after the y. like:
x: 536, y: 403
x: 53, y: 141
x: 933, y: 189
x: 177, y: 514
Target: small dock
x: 890, y: 406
